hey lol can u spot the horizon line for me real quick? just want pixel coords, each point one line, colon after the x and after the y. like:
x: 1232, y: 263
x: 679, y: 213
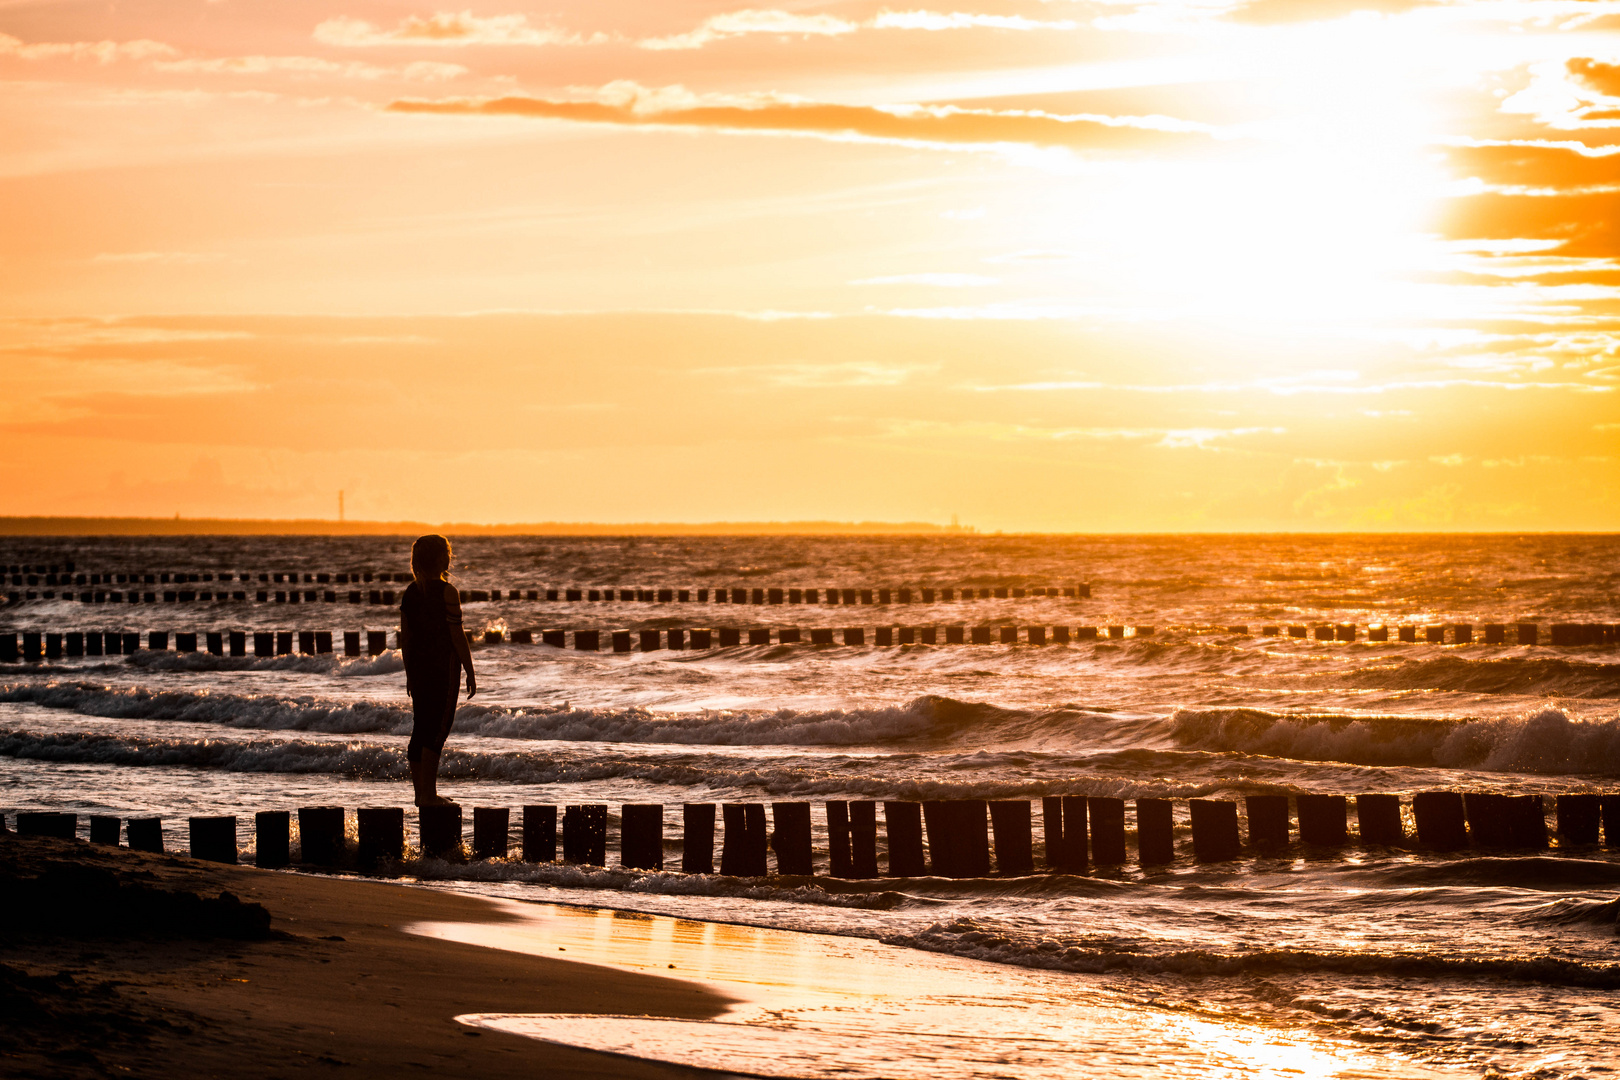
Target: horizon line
x: 83, y: 526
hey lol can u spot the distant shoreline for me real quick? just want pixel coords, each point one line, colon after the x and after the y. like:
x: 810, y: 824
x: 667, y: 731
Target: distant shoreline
x: 176, y: 526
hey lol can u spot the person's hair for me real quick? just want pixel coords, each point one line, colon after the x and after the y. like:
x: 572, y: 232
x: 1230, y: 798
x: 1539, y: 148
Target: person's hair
x: 432, y: 554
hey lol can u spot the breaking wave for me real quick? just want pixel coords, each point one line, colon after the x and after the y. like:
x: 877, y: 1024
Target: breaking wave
x: 925, y: 721
x: 708, y: 772
x: 1536, y: 676
x: 1547, y: 740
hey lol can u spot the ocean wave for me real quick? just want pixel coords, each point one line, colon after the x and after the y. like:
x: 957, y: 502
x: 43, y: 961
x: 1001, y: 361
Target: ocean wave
x: 1533, y: 872
x: 280, y: 756
x: 1575, y: 911
x: 926, y: 721
x: 264, y: 712
x: 1540, y: 676
x: 702, y: 772
x: 1547, y: 740
x: 980, y: 941
x: 385, y: 663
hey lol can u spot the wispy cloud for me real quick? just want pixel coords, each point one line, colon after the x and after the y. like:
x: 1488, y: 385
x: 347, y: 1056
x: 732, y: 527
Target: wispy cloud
x: 739, y: 23
x: 312, y: 67
x: 630, y: 105
x: 448, y: 30
x: 103, y: 52
x: 791, y: 24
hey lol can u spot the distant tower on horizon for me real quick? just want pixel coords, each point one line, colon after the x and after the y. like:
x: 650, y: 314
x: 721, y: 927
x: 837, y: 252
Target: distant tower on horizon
x: 340, y: 507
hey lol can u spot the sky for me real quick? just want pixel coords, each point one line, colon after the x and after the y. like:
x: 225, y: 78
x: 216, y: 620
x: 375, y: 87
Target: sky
x: 1041, y: 265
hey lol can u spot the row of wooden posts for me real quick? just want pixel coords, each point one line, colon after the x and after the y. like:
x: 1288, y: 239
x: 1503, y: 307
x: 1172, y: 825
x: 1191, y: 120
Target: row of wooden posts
x: 647, y: 596
x: 961, y: 835
x: 58, y: 576
x: 36, y: 645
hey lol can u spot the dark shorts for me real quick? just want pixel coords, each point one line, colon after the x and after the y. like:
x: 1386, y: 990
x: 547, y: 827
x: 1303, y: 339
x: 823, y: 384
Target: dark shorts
x: 433, y: 703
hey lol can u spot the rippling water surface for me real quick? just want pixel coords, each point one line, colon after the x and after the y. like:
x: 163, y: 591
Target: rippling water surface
x: 1486, y: 961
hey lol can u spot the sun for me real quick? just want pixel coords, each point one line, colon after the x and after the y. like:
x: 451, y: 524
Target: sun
x: 1317, y: 212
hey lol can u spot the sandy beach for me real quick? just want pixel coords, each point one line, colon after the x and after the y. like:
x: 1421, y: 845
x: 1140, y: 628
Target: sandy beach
x: 337, y: 987
x: 217, y: 970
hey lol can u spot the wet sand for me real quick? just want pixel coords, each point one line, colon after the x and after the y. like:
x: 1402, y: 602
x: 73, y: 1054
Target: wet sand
x: 338, y: 987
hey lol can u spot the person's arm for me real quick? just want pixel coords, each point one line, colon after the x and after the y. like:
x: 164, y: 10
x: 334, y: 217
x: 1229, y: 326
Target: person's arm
x: 458, y: 636
x: 405, y: 647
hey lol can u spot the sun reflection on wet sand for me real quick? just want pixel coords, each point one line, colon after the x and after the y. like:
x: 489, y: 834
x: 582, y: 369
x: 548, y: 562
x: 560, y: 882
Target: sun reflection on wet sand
x: 807, y: 1005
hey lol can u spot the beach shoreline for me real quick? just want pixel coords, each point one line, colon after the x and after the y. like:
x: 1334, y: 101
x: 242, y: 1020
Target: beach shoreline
x: 338, y: 985
x: 292, y: 974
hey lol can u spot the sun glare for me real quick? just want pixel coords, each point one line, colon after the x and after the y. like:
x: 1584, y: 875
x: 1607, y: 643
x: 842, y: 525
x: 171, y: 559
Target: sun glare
x: 1316, y: 213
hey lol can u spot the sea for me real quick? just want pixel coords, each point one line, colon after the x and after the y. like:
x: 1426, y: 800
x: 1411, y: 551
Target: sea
x: 1486, y: 962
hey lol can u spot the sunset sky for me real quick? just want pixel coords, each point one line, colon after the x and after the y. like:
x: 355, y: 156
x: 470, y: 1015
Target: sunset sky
x: 1061, y: 265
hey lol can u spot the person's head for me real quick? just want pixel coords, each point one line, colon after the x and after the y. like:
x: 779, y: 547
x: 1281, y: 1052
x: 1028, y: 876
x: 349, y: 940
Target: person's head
x: 430, y: 556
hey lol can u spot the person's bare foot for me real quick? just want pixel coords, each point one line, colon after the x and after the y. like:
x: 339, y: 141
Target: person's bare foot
x: 436, y: 800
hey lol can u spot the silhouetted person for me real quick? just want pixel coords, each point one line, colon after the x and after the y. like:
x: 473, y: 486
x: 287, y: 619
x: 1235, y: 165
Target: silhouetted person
x: 435, y: 650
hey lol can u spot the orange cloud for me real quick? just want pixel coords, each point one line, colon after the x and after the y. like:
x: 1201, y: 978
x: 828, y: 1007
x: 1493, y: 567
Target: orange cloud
x: 1544, y: 165
x: 1604, y: 78
x: 912, y: 124
x: 1583, y: 225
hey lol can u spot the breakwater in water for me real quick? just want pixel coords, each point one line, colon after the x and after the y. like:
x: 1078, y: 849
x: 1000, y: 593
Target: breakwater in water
x: 961, y: 838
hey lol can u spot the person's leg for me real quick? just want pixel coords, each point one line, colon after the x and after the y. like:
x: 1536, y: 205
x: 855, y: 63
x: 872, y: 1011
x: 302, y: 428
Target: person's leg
x: 426, y: 776
x: 424, y: 728
x: 419, y: 783
x: 427, y: 792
